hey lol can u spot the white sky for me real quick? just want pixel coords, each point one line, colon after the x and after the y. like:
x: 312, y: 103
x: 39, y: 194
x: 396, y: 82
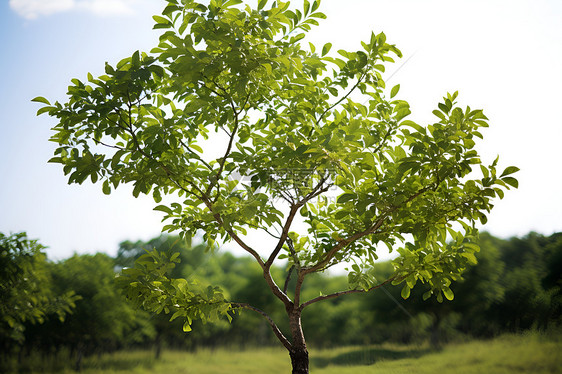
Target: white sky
x: 502, y: 56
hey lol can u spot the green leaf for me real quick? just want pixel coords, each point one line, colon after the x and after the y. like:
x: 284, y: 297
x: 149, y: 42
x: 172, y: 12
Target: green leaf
x: 318, y: 15
x: 394, y: 91
x: 511, y: 181
x: 472, y: 246
x: 405, y: 293
x: 231, y: 3
x: 164, y: 208
x: 161, y: 20
x: 413, y: 125
x: 443, y: 108
x: 261, y: 4
x: 326, y: 49
x: 186, y: 326
x: 483, y: 219
x: 470, y: 257
x: 312, y: 47
x: 315, y: 5
x: 346, y: 197
x: 105, y: 188
x: 41, y: 99
x: 509, y: 170
x: 179, y: 313
x: 171, y: 8
x: 45, y: 109
x: 439, y: 114
x: 448, y: 293
x: 249, y: 212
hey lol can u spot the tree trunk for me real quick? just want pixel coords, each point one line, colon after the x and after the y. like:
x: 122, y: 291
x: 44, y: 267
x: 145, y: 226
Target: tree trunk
x: 299, y: 360
x: 158, y: 345
x: 79, y: 355
x: 436, y: 337
x: 298, y: 351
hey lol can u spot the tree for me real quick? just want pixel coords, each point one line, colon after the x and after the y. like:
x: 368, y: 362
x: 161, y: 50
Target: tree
x: 552, y: 282
x: 527, y: 302
x: 315, y: 153
x: 26, y: 292
x: 102, y: 320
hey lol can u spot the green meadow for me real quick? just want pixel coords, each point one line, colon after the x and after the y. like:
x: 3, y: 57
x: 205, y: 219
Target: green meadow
x: 527, y: 353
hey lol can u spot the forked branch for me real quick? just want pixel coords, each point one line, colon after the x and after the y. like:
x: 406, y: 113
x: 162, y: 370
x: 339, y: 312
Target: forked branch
x: 286, y: 343
x: 317, y: 190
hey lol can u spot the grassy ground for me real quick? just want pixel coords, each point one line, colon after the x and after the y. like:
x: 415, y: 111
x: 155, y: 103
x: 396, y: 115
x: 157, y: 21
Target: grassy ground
x: 530, y: 353
x: 508, y: 354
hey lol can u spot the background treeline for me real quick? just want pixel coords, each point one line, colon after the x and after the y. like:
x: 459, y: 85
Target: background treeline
x: 73, y: 307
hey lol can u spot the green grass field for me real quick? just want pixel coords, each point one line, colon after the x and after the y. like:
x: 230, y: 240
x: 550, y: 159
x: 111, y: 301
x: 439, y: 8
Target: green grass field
x: 529, y: 353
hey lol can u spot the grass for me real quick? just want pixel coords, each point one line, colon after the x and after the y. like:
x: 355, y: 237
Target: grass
x: 508, y: 354
x: 529, y: 353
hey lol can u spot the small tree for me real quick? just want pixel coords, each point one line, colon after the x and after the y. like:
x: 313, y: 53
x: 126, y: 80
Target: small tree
x: 309, y: 137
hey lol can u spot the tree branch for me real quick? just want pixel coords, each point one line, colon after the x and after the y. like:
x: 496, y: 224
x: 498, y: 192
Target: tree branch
x: 232, y: 234
x: 288, y: 279
x: 383, y: 141
x: 344, y: 242
x: 195, y: 154
x: 294, y: 209
x: 341, y: 293
x: 286, y: 343
x: 284, y: 235
x: 228, y: 149
x: 298, y: 287
x: 358, y: 235
x: 109, y: 145
x: 262, y: 228
x: 340, y: 100
x: 266, y: 274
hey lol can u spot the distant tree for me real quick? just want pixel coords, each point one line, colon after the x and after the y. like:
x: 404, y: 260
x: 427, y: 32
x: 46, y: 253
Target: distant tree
x: 102, y: 320
x: 526, y: 301
x: 26, y: 292
x: 481, y: 288
x: 306, y: 136
x: 514, y: 287
x: 552, y: 282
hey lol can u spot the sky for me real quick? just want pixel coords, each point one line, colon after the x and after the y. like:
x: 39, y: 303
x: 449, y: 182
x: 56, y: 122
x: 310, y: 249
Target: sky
x: 502, y: 56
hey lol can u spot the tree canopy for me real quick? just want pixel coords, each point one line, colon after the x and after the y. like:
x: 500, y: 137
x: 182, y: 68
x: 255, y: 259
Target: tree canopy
x: 250, y: 128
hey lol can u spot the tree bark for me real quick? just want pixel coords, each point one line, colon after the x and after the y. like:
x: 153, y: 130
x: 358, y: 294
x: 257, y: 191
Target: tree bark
x: 298, y: 351
x: 299, y: 360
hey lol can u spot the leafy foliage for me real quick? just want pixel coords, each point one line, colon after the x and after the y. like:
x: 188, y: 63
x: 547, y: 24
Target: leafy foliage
x: 25, y: 288
x: 296, y: 125
x: 102, y: 317
x: 149, y: 285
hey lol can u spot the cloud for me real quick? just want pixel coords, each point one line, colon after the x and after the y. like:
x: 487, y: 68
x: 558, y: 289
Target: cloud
x: 107, y: 7
x: 32, y: 9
